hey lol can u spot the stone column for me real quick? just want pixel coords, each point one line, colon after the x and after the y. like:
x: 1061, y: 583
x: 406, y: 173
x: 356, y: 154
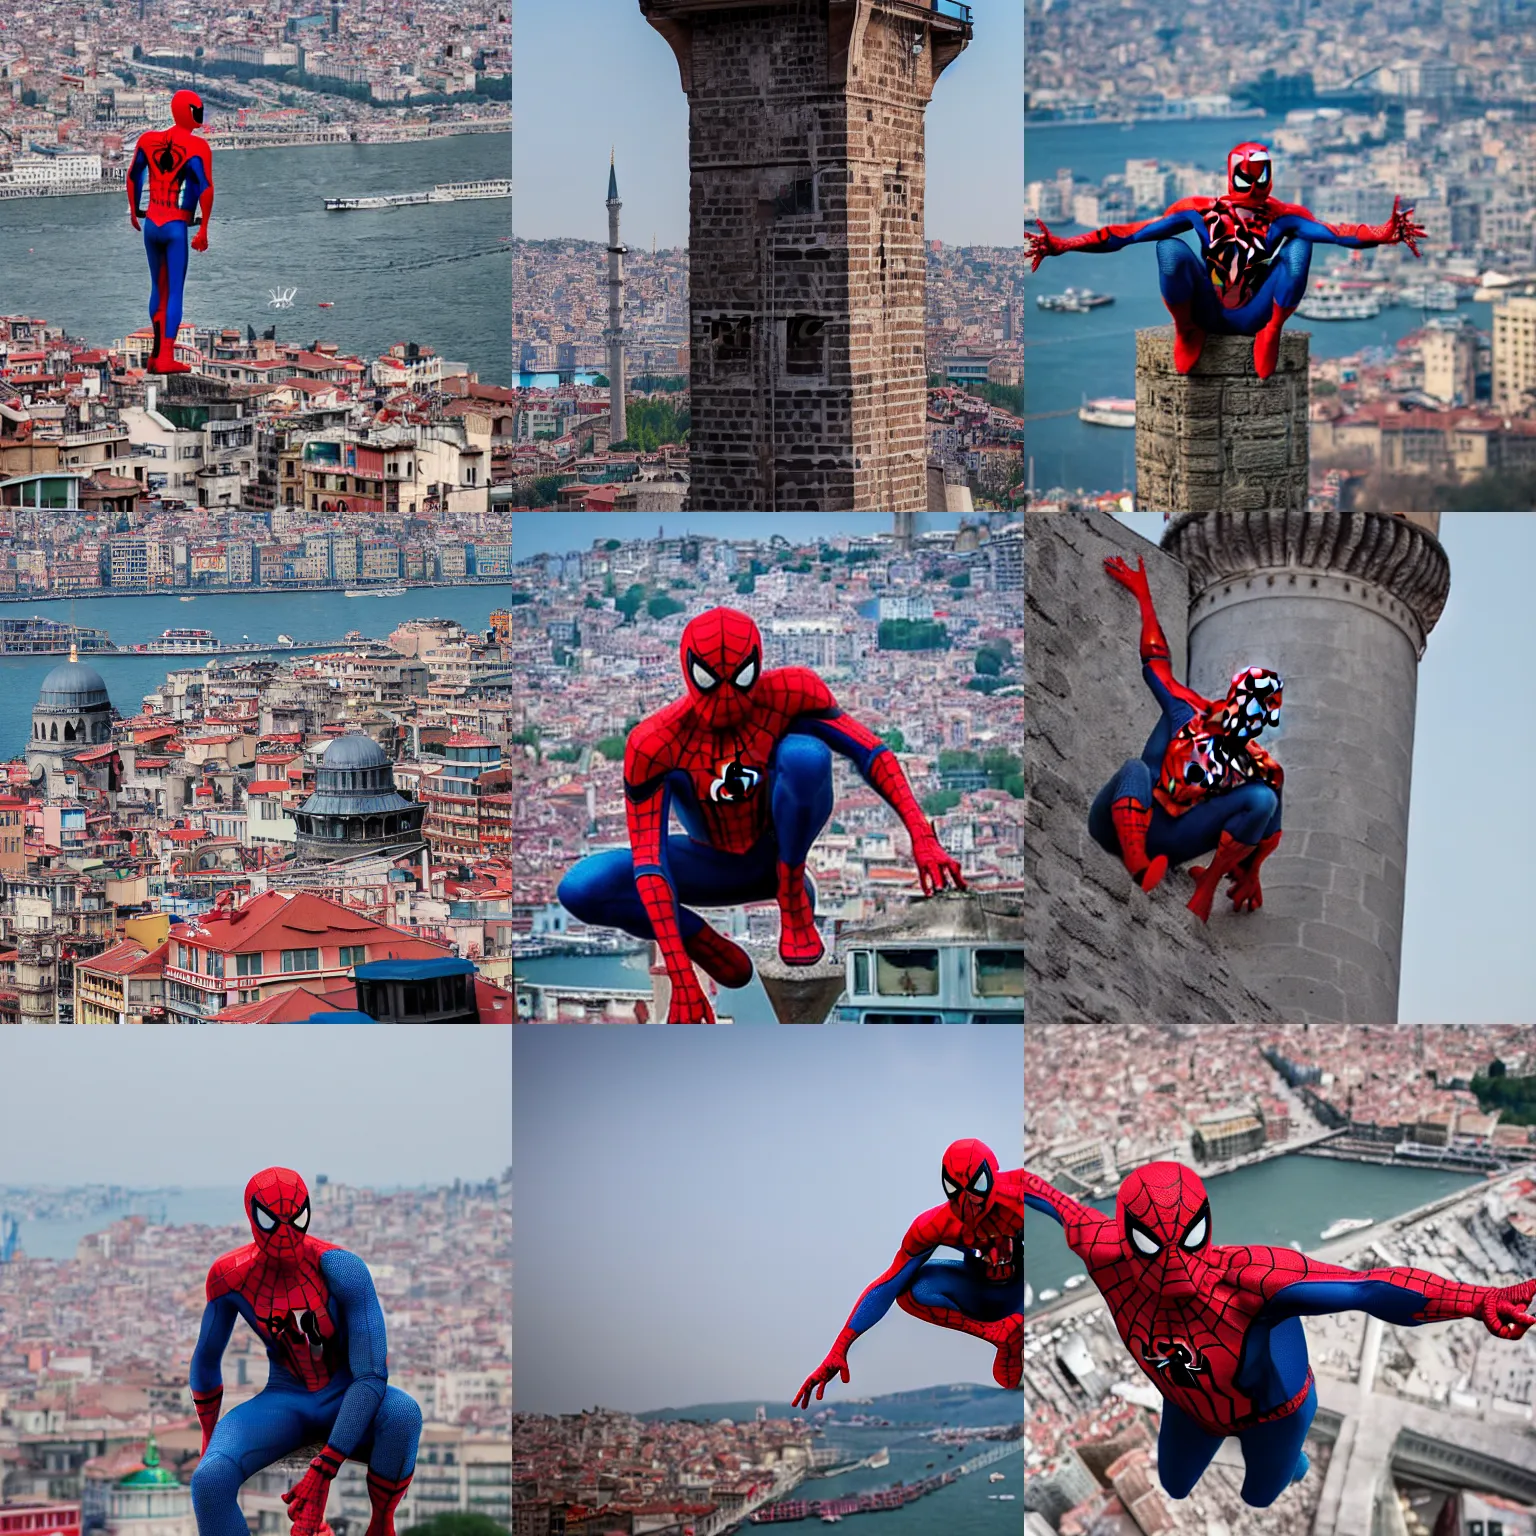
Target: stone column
x: 1220, y: 437
x: 1340, y: 604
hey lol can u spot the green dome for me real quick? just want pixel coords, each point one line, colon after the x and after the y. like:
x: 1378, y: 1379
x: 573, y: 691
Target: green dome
x: 151, y: 1474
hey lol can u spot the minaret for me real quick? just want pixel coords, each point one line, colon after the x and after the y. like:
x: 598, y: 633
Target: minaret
x: 614, y: 335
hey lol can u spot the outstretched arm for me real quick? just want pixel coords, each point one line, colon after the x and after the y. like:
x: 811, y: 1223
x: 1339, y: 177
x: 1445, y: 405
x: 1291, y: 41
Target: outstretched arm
x: 206, y: 1378
x: 819, y: 716
x: 921, y: 1239
x: 1184, y: 214
x: 1398, y: 229
x: 367, y: 1351
x: 1294, y: 1285
x: 1082, y: 1225
x: 647, y: 805
x: 1156, y: 659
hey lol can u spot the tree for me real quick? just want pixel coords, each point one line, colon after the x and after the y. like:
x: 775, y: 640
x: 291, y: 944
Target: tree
x: 457, y: 1523
x: 987, y: 663
x: 1496, y: 1068
x: 589, y: 601
x: 953, y: 758
x: 565, y: 754
x: 629, y: 604
x: 962, y: 580
x: 661, y: 605
x: 893, y: 738
x: 746, y: 583
x: 610, y: 544
x: 1014, y: 784
x: 940, y: 801
x: 612, y: 747
x: 601, y: 381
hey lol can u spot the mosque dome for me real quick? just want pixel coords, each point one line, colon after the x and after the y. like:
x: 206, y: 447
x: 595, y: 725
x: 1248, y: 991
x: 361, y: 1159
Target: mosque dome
x: 355, y: 807
x: 354, y: 751
x: 72, y: 685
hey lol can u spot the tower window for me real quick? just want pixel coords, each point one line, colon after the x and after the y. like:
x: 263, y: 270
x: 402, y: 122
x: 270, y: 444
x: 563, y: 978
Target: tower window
x: 730, y: 338
x: 804, y: 344
x: 895, y: 192
x: 798, y: 196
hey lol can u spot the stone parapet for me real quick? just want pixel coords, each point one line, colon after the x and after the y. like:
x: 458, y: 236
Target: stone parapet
x: 1220, y: 438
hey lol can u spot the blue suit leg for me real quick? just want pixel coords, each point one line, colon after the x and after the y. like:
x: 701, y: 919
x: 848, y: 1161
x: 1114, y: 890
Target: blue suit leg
x: 1249, y: 814
x: 946, y: 1283
x: 1184, y: 1451
x: 1273, y: 1455
x: 801, y: 794
x: 1132, y: 782
x: 175, y: 277
x: 254, y: 1435
x: 389, y: 1447
x: 1182, y: 279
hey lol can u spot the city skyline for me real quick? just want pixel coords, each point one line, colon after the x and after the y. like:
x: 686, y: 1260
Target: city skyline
x: 629, y: 73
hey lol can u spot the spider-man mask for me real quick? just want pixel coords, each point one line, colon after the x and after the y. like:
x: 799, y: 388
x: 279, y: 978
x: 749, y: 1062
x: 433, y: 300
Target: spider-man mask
x: 187, y: 110
x: 970, y: 1178
x: 1165, y: 1227
x: 1250, y: 174
x: 1252, y: 702
x: 722, y: 657
x: 277, y: 1204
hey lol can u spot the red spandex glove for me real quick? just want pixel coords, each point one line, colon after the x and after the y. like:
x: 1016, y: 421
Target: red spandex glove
x: 306, y: 1499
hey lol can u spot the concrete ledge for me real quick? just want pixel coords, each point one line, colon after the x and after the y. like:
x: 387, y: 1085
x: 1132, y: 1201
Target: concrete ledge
x: 800, y: 994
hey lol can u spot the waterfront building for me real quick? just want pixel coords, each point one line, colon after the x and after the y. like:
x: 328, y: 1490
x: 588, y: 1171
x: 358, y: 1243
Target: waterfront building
x: 1514, y: 355
x: 73, y: 712
x: 123, y: 985
x: 1227, y: 1133
x: 355, y: 807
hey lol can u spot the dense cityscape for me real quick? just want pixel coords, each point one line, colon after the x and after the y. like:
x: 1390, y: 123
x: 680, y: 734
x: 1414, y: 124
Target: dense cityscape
x: 94, y: 1352
x: 1104, y: 1101
x: 80, y: 85
x: 594, y: 650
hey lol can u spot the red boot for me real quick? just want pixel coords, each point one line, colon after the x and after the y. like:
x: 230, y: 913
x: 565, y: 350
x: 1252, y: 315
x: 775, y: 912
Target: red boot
x: 1246, y: 893
x: 1131, y: 822
x: 384, y: 1494
x: 799, y: 942
x: 1188, y: 336
x: 1266, y: 343
x: 1208, y: 877
x: 717, y: 956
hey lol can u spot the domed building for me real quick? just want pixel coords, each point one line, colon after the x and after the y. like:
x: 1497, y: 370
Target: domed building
x: 73, y: 711
x: 355, y: 807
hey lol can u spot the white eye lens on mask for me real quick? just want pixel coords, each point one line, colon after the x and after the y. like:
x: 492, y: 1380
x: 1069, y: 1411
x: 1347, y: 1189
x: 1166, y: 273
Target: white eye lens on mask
x: 1196, y: 1234
x: 702, y: 677
x: 1143, y: 1242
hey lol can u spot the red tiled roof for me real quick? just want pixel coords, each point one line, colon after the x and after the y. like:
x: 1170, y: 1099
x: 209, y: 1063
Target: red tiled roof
x: 299, y: 920
x: 127, y: 958
x: 294, y: 1006
x: 267, y: 787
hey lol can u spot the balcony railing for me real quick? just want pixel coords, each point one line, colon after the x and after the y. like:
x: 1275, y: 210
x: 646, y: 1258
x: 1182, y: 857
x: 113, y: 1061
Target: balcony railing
x: 953, y: 9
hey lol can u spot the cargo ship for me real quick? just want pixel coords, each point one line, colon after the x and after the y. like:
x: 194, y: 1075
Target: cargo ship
x: 443, y: 192
x: 375, y: 592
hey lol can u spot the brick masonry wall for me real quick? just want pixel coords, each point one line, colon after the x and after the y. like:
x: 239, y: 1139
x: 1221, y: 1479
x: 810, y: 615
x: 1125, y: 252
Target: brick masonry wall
x: 1097, y: 948
x: 1220, y: 437
x: 781, y: 93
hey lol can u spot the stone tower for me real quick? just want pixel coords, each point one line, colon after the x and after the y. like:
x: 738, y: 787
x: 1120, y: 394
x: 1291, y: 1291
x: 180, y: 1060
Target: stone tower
x: 618, y: 429
x: 1341, y: 605
x: 806, y: 256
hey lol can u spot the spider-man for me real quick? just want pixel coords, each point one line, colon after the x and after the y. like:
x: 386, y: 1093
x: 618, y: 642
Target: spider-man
x: 178, y: 165
x: 982, y: 1294
x: 313, y: 1305
x: 1256, y: 251
x: 1202, y: 782
x: 1218, y: 1329
x: 745, y: 759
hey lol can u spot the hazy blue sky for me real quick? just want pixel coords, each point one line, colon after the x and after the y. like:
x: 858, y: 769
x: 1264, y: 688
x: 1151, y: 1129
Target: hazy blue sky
x: 698, y: 1210
x: 561, y: 532
x: 208, y: 1107
x: 588, y: 75
x: 1471, y: 848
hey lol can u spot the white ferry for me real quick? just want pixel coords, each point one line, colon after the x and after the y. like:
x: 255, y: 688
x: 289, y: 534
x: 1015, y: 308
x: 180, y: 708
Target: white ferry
x: 181, y: 642
x: 1345, y: 1224
x: 1108, y: 411
x: 375, y: 592
x: 1049, y: 1295
x: 1072, y: 1282
x: 1432, y: 295
x: 1073, y: 301
x: 1325, y: 303
x: 997, y: 1477
x: 443, y: 192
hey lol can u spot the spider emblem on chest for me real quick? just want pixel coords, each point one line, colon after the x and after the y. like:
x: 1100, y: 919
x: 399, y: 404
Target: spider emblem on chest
x: 734, y: 782
x: 1176, y: 1359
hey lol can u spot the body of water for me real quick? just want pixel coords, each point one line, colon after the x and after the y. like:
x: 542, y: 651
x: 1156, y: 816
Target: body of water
x: 555, y: 380
x: 260, y: 616
x: 1068, y: 357
x: 1283, y: 1201
x: 56, y: 1237
x: 438, y: 274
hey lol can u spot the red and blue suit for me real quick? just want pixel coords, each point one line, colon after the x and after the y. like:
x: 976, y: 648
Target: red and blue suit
x: 314, y: 1307
x: 1255, y: 252
x: 982, y: 1294
x: 745, y: 760
x: 176, y: 165
x: 1217, y: 1330
x: 1202, y: 784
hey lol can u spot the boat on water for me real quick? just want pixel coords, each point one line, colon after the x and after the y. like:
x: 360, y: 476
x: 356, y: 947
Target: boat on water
x: 1438, y: 296
x: 326, y: 304
x: 1345, y: 1224
x: 1073, y: 301
x: 286, y: 640
x: 186, y: 599
x: 181, y: 642
x: 1325, y: 303
x: 443, y: 192
x: 38, y: 636
x: 1073, y: 1281
x: 1002, y: 1498
x: 1108, y: 411
x: 375, y: 592
x: 998, y: 1477
x: 1050, y: 1295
